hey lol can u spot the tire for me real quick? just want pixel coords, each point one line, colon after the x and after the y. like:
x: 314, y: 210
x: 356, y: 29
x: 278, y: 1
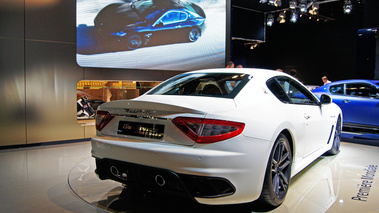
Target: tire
x: 337, y: 138
x: 278, y: 173
x: 134, y: 42
x: 194, y: 34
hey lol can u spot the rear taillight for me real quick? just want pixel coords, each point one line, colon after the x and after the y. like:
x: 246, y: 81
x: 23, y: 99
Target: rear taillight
x: 208, y: 130
x: 102, y: 119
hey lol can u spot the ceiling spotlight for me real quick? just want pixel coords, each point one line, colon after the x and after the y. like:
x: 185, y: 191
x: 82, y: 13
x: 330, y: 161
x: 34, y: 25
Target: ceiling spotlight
x: 253, y: 46
x: 347, y: 7
x: 303, y: 6
x: 270, y: 20
x: 262, y: 1
x: 293, y: 4
x: 282, y: 18
x: 294, y: 17
x: 276, y: 3
x: 314, y: 9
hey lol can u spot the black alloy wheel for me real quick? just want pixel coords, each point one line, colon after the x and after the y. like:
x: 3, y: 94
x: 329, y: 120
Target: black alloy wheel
x: 278, y: 173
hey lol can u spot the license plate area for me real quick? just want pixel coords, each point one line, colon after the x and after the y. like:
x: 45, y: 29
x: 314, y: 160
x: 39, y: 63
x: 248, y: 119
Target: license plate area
x: 145, y: 130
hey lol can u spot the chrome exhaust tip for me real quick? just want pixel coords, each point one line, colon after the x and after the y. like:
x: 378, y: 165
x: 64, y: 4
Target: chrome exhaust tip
x: 159, y: 180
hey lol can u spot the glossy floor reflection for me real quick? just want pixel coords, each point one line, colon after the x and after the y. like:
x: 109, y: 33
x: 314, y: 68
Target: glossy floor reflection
x: 61, y: 178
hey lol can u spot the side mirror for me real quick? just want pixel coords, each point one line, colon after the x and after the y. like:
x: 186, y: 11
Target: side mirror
x: 325, y: 99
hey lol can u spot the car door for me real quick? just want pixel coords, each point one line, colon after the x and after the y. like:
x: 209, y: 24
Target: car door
x: 360, y: 105
x: 170, y: 26
x: 314, y: 119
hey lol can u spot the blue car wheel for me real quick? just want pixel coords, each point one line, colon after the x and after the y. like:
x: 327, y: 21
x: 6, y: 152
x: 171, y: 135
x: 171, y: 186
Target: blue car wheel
x: 194, y: 34
x: 134, y: 42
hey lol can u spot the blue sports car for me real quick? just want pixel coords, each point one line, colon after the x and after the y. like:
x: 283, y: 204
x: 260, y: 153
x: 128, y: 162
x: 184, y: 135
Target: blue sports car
x: 141, y: 22
x: 359, y: 101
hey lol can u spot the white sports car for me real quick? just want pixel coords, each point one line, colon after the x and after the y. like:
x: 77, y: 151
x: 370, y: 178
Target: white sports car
x: 220, y: 136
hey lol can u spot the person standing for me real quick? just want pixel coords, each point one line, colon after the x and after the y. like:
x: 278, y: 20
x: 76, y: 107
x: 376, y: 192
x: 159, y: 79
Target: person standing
x: 325, y: 80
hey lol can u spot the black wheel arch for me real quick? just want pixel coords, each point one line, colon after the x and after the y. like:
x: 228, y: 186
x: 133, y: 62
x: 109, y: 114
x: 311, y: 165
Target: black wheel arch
x: 287, y: 133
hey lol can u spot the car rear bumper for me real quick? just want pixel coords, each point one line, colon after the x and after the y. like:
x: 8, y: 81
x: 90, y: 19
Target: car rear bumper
x: 208, y: 176
x: 148, y: 179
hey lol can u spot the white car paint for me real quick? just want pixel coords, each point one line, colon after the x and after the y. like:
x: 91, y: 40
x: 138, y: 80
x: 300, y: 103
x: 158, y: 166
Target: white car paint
x: 242, y: 159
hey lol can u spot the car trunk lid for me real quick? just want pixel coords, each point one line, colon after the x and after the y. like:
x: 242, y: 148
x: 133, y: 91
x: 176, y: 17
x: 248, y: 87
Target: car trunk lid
x: 149, y: 118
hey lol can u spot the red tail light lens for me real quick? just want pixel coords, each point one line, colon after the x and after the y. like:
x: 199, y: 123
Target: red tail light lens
x: 102, y: 119
x: 208, y: 130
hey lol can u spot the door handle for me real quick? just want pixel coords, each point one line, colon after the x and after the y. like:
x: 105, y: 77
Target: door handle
x: 306, y: 116
x: 346, y: 101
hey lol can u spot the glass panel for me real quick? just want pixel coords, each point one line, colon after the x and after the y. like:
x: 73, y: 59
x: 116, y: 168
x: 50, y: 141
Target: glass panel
x: 362, y: 90
x: 91, y: 94
x: 278, y: 90
x: 226, y: 85
x: 337, y: 89
x: 296, y: 92
x: 170, y: 18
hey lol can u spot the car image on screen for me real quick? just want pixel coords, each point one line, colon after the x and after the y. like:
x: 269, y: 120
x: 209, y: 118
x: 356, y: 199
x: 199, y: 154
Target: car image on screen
x: 218, y: 136
x: 143, y: 22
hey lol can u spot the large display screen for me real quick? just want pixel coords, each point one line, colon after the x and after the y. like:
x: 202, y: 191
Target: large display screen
x: 151, y: 34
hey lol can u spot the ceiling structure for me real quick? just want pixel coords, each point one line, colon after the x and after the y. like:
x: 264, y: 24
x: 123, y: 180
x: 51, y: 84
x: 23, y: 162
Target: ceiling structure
x: 329, y: 9
x: 326, y: 10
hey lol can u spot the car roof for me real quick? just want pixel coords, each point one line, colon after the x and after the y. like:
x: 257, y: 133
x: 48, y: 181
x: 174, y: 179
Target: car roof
x: 167, y: 4
x: 255, y: 72
x: 353, y: 81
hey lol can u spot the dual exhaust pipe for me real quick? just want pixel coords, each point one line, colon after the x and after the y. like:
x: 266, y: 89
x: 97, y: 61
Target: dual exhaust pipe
x: 159, y: 179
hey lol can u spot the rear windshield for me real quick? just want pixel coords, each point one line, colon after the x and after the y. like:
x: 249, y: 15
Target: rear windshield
x: 225, y: 85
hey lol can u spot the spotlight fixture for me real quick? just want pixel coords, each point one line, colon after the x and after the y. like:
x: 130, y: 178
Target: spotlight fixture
x: 270, y: 20
x: 282, y: 17
x: 294, y: 17
x: 314, y: 9
x: 293, y: 4
x: 262, y: 1
x: 347, y: 7
x: 253, y: 46
x: 276, y: 3
x: 303, y: 6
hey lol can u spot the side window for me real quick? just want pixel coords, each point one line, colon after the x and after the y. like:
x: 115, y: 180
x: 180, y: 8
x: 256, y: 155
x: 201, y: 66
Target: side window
x: 278, y: 90
x: 337, y: 89
x: 173, y: 17
x: 297, y: 93
x: 183, y: 16
x: 169, y: 18
x: 373, y: 91
x: 361, y: 90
